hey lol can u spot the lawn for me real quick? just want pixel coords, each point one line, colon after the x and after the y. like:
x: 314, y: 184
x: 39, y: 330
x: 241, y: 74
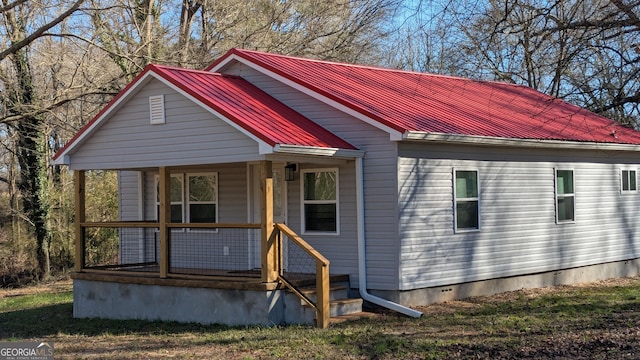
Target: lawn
x: 589, y: 321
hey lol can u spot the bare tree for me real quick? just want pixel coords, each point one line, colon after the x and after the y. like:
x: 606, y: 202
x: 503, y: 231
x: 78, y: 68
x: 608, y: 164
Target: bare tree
x: 20, y: 101
x: 60, y: 62
x: 585, y: 51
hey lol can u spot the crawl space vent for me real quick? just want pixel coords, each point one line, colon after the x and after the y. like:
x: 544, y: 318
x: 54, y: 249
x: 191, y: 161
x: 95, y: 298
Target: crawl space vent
x: 156, y: 109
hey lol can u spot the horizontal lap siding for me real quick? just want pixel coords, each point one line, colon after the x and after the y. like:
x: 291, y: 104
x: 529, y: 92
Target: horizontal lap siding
x: 232, y: 192
x: 517, y: 204
x: 379, y: 192
x: 136, y: 245
x: 194, y: 249
x: 190, y: 136
x: 129, y: 203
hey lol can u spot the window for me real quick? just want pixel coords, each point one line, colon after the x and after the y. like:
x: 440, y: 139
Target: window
x: 466, y: 195
x: 565, y: 196
x: 202, y: 198
x: 193, y: 197
x: 320, y: 200
x: 628, y: 178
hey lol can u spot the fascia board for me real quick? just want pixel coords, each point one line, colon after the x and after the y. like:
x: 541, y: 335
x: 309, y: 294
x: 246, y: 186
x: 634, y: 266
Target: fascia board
x: 526, y: 143
x: 317, y: 151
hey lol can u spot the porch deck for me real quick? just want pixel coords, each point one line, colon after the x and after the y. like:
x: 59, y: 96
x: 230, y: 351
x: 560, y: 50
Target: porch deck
x: 214, y: 279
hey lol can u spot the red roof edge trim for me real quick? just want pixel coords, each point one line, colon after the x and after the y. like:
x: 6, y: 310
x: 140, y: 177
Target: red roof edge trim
x: 246, y: 55
x: 161, y: 71
x: 102, y: 112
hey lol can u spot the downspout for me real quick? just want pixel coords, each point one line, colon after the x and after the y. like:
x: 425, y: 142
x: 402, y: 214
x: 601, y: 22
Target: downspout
x: 362, y: 261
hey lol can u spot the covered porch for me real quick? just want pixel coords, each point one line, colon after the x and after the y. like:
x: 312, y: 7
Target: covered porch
x: 202, y: 271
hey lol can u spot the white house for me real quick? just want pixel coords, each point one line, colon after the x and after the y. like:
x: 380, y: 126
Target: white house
x: 415, y: 187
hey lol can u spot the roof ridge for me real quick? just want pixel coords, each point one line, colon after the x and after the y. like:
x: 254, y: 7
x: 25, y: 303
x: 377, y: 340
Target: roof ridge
x: 376, y: 67
x: 203, y: 72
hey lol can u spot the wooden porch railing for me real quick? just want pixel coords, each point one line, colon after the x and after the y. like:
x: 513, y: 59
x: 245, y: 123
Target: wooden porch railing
x: 114, y: 259
x: 322, y: 305
x: 128, y: 246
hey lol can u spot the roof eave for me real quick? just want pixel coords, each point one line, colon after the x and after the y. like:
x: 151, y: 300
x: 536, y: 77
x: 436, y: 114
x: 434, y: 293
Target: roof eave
x: 317, y: 151
x: 512, y: 142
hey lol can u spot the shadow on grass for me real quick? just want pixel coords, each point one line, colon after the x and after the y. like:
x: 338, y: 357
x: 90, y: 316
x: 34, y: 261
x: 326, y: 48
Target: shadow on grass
x: 56, y: 319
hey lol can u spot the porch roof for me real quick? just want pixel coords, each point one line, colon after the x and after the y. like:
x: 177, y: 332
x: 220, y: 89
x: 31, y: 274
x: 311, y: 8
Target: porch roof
x: 238, y: 102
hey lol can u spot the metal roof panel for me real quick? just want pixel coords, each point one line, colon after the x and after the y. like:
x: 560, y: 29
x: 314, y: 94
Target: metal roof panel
x: 418, y: 102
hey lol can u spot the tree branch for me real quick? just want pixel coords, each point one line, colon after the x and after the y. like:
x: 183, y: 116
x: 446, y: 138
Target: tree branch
x: 38, y: 32
x: 17, y: 117
x: 12, y: 5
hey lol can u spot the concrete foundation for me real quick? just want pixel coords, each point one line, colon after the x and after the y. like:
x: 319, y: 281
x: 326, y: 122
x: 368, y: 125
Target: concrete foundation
x: 100, y: 299
x: 144, y: 301
x: 583, y: 274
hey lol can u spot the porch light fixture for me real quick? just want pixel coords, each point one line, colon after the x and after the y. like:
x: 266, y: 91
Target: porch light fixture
x: 290, y: 172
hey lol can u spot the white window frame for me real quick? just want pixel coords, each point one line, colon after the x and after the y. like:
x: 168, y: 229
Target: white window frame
x: 187, y: 208
x: 456, y: 200
x: 628, y: 176
x: 558, y: 196
x: 185, y: 196
x: 303, y: 202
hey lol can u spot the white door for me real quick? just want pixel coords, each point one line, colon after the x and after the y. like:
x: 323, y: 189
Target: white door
x: 279, y: 207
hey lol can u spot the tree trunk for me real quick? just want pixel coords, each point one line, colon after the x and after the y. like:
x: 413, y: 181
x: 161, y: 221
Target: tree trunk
x: 21, y: 99
x: 27, y: 138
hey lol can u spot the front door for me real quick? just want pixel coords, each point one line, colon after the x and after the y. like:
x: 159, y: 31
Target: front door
x: 279, y: 207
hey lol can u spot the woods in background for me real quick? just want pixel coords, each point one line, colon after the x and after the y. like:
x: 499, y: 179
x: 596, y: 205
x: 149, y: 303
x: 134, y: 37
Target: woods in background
x: 62, y: 61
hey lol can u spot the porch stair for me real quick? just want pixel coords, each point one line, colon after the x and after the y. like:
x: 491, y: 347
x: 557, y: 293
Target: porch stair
x: 342, y: 306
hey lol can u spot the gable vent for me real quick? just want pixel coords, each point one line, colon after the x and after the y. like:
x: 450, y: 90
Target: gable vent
x: 156, y: 109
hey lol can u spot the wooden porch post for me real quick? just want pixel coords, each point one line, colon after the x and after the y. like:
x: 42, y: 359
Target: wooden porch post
x: 80, y: 214
x: 164, y: 218
x: 269, y: 255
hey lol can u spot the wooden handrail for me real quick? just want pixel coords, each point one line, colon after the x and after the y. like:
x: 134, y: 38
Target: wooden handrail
x: 303, y: 244
x: 323, y: 306
x: 121, y: 224
x: 155, y: 224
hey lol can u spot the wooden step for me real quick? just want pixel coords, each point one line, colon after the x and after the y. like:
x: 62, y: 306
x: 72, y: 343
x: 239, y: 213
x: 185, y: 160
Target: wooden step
x: 345, y: 306
x: 311, y: 281
x: 335, y: 292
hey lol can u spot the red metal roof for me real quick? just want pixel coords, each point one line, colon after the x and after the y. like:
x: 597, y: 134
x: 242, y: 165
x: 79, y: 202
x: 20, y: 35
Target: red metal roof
x: 241, y: 102
x: 251, y: 108
x: 417, y: 102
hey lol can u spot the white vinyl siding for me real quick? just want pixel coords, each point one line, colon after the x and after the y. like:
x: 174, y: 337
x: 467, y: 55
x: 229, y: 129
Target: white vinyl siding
x: 129, y: 198
x: 379, y: 188
x: 231, y: 208
x: 517, y: 206
x: 190, y: 136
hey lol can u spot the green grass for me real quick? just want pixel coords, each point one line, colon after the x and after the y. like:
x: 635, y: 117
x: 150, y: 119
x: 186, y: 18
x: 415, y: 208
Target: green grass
x: 601, y: 321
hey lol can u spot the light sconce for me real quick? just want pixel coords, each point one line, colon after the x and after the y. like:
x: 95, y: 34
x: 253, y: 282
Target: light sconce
x: 290, y: 172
